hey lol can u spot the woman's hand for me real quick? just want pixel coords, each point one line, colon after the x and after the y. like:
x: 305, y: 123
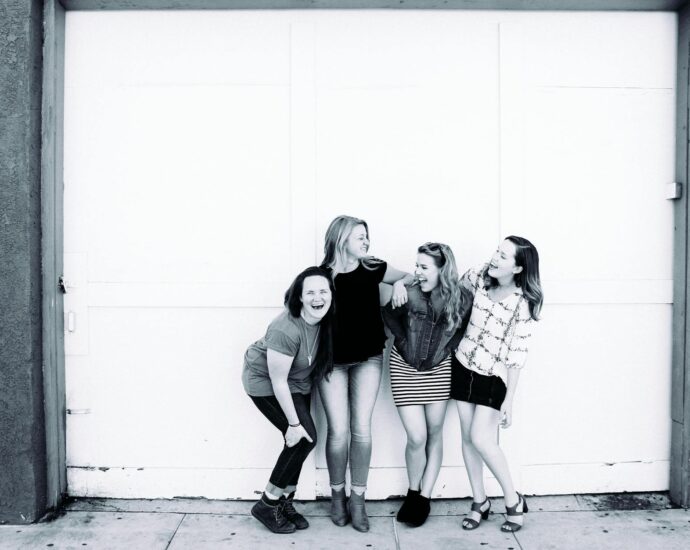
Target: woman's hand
x: 294, y: 434
x: 399, y: 293
x: 506, y: 414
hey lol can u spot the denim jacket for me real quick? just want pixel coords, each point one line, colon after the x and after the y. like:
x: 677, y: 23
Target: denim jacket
x: 420, y: 331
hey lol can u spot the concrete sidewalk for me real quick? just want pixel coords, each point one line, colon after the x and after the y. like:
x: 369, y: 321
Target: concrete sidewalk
x: 627, y: 521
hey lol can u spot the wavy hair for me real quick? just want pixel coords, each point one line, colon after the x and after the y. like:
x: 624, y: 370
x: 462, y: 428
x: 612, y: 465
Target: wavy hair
x: 526, y: 257
x: 454, y: 298
x: 323, y: 359
x: 334, y: 253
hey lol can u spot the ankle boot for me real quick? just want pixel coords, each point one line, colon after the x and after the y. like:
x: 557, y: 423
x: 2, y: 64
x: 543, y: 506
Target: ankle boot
x: 339, y: 514
x: 420, y: 511
x: 291, y: 514
x: 407, y: 505
x: 271, y: 515
x: 358, y: 512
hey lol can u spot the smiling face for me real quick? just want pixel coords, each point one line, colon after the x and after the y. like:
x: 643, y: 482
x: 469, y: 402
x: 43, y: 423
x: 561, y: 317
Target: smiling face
x: 426, y: 272
x: 502, y: 263
x: 316, y: 298
x: 357, y: 243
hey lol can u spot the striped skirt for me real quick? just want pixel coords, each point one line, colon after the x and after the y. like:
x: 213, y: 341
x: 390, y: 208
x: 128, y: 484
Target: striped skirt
x: 411, y: 387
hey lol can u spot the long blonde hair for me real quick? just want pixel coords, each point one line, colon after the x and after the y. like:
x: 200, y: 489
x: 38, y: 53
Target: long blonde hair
x: 334, y: 253
x: 454, y: 299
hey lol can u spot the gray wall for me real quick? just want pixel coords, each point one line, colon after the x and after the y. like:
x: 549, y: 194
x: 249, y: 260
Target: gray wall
x: 22, y: 433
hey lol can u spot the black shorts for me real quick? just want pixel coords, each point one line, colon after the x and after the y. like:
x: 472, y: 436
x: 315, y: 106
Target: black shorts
x: 472, y: 387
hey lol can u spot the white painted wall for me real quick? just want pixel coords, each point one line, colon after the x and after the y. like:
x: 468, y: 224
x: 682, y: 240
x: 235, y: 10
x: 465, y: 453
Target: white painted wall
x: 206, y: 153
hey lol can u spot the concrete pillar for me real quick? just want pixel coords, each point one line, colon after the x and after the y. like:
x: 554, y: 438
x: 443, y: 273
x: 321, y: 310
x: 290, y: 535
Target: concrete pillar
x: 680, y: 387
x: 22, y: 433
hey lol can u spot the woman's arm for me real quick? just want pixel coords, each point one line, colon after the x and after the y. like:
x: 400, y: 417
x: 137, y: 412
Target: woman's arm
x: 506, y: 413
x: 470, y: 279
x: 279, y: 366
x: 399, y: 280
x: 515, y: 359
x: 395, y: 319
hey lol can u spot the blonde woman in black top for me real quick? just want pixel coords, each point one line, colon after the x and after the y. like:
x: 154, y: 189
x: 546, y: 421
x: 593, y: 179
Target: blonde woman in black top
x: 349, y: 391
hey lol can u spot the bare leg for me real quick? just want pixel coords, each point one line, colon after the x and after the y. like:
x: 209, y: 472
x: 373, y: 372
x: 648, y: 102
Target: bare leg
x: 485, y: 439
x: 414, y: 422
x: 473, y: 460
x: 435, y: 414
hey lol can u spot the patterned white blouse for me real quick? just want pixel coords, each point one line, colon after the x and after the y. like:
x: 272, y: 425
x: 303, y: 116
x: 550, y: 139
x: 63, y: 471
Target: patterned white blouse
x: 498, y: 333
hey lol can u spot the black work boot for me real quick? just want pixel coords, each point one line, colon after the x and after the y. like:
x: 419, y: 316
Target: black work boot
x: 271, y: 515
x: 291, y: 514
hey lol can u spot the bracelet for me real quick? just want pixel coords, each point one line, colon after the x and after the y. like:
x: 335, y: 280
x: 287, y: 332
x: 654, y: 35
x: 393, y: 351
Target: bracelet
x: 294, y: 425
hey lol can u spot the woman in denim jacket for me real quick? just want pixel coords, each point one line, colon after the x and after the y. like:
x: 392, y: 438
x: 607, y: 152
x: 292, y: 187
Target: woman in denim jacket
x: 426, y: 331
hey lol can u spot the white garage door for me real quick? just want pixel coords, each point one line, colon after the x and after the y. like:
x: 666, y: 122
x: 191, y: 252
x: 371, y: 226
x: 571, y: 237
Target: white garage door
x: 206, y: 153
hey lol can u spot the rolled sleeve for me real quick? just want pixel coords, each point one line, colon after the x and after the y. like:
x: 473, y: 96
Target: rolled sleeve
x: 283, y: 342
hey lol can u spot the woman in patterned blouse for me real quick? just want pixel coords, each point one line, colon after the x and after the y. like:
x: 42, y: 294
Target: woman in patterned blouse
x: 507, y: 300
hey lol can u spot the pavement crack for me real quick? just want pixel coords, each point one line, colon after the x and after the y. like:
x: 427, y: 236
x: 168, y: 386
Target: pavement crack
x: 517, y: 541
x: 395, y: 533
x: 175, y: 533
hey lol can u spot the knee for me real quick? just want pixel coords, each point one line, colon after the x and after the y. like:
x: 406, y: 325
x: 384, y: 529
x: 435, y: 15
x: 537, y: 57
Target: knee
x: 482, y: 443
x: 435, y: 434
x: 312, y: 443
x: 416, y: 441
x: 361, y: 432
x: 308, y: 446
x: 466, y: 438
x: 337, y: 433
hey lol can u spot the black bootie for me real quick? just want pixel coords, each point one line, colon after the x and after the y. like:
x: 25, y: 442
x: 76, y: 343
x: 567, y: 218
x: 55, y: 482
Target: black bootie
x: 420, y: 511
x: 407, y: 505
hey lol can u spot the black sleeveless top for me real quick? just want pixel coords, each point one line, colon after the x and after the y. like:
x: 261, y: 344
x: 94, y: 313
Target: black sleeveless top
x: 358, y: 326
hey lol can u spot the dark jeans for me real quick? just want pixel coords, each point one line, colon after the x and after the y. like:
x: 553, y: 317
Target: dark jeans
x: 289, y: 464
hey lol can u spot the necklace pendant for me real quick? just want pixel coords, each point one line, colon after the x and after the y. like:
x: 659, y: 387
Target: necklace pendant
x: 309, y: 359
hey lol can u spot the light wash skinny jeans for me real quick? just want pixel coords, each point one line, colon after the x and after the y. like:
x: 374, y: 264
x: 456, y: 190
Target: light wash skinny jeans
x: 348, y: 398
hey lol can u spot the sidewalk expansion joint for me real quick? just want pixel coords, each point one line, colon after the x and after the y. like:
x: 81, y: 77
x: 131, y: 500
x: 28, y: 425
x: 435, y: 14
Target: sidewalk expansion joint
x: 395, y: 533
x: 175, y: 533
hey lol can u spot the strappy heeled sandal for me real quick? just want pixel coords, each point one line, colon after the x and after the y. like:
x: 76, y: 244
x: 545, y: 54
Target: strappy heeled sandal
x: 476, y: 515
x: 512, y: 511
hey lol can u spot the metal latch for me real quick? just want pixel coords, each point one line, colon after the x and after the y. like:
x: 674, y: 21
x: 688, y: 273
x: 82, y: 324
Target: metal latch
x: 674, y: 191
x: 62, y: 285
x: 78, y: 411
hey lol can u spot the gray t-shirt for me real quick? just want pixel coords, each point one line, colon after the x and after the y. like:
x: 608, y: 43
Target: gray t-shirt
x: 286, y: 334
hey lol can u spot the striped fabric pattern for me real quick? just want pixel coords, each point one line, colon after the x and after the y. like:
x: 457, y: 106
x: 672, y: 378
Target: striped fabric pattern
x: 411, y: 387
